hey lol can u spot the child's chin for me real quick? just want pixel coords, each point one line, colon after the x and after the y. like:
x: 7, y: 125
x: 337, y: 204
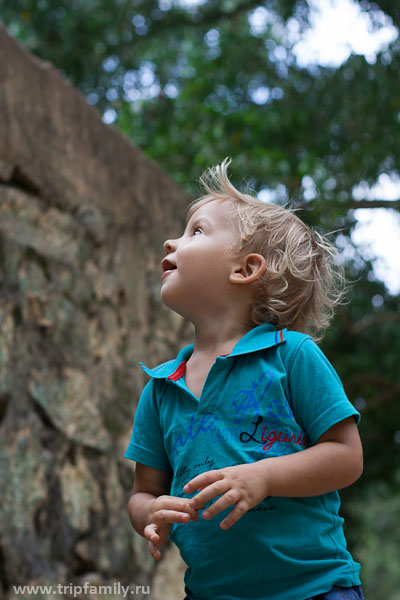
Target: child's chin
x: 176, y: 307
x: 168, y: 298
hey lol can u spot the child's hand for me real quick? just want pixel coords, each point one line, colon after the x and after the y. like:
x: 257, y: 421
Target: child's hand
x: 166, y: 510
x: 242, y: 485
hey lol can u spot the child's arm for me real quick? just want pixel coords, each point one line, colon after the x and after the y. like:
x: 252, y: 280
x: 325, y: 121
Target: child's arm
x: 152, y: 511
x: 333, y: 463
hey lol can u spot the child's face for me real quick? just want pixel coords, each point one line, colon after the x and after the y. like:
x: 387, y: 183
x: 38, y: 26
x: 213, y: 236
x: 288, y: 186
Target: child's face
x: 197, y: 265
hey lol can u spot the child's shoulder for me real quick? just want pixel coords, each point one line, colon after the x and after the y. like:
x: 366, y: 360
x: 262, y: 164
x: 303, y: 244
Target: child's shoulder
x: 297, y: 343
x: 295, y: 339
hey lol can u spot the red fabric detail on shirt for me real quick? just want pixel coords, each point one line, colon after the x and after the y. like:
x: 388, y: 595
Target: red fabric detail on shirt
x: 180, y: 371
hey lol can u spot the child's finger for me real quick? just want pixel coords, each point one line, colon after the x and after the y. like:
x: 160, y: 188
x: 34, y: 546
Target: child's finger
x: 167, y: 517
x: 240, y: 509
x: 177, y: 505
x: 231, y: 497
x: 150, y: 533
x: 210, y: 492
x: 191, y: 511
x: 203, y: 480
x: 152, y: 536
x: 154, y: 551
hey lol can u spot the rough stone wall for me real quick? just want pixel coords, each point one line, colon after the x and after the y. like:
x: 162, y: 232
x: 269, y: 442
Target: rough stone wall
x: 82, y: 218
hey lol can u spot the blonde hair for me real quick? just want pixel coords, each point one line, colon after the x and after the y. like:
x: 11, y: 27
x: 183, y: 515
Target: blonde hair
x: 303, y: 281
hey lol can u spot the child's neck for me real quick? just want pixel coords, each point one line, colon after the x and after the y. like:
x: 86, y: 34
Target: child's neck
x: 218, y: 338
x: 209, y: 342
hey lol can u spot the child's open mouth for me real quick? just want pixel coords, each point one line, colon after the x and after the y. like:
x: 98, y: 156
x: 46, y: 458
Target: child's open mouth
x: 167, y: 266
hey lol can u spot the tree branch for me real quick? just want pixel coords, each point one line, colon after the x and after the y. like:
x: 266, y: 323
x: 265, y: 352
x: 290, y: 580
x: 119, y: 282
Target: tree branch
x: 202, y: 17
x: 370, y: 320
x: 382, y: 399
x: 387, y: 391
x: 395, y: 204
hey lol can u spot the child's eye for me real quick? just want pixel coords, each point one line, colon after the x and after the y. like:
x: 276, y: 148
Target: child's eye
x: 197, y: 230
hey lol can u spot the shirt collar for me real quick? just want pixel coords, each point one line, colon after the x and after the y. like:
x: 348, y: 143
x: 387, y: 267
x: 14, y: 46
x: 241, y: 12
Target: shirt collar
x: 259, y: 338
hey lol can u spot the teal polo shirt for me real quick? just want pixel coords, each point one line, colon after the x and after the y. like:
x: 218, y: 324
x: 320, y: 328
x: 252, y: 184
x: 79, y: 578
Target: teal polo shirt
x: 274, y: 394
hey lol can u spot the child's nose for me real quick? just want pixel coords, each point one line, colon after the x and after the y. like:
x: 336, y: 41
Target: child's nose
x: 169, y: 246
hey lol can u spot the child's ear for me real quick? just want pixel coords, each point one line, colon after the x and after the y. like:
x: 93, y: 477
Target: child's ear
x: 249, y: 269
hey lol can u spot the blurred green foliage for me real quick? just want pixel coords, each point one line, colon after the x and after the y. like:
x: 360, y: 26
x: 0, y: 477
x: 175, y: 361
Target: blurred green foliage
x: 373, y: 534
x: 191, y: 84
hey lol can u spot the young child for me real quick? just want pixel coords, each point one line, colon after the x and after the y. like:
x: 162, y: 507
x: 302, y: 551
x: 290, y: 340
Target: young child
x: 242, y: 440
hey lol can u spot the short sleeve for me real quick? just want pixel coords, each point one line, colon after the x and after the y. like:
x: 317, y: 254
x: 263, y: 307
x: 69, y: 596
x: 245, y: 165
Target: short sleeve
x: 147, y: 442
x: 317, y: 395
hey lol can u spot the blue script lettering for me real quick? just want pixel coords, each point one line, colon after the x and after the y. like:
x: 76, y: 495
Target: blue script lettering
x: 197, y: 425
x: 224, y: 435
x: 246, y: 400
